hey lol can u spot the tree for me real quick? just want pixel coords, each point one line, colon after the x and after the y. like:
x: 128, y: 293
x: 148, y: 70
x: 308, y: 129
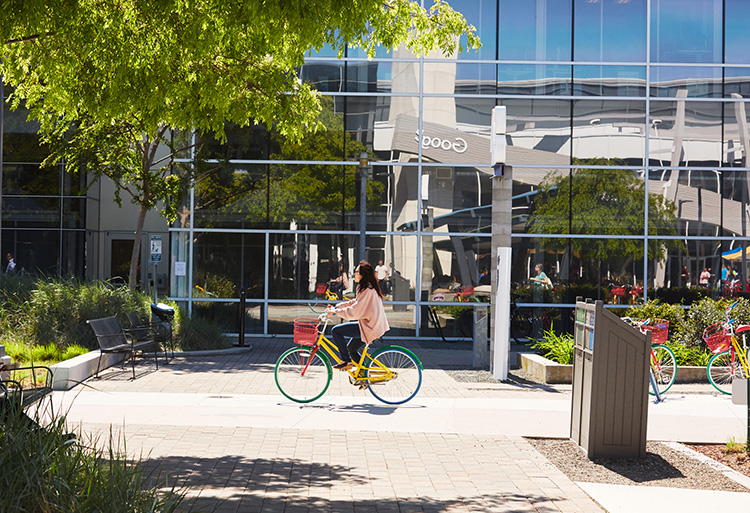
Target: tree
x: 110, y: 82
x: 602, y: 202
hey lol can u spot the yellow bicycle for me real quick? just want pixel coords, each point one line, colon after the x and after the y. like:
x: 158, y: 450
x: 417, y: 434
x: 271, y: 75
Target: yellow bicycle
x: 730, y: 359
x: 303, y: 373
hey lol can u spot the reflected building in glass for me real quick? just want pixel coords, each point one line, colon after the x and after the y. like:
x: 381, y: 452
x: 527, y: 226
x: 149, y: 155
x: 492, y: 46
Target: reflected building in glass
x: 627, y: 136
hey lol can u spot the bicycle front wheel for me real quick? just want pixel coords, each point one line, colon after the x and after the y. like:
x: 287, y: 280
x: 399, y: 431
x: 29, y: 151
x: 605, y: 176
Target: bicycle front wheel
x: 302, y: 375
x: 406, y: 380
x: 664, y: 365
x: 722, y: 369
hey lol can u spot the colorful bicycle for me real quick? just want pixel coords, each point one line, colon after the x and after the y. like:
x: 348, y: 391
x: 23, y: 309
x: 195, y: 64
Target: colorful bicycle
x: 303, y: 373
x: 663, y: 361
x: 730, y: 359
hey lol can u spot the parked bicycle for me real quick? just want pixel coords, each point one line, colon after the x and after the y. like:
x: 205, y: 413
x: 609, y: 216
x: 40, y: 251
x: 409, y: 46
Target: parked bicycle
x: 323, y: 292
x: 303, y: 373
x: 663, y: 362
x: 730, y: 359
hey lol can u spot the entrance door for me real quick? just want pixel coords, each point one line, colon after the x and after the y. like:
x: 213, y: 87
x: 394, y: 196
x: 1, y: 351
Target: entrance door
x: 120, y: 252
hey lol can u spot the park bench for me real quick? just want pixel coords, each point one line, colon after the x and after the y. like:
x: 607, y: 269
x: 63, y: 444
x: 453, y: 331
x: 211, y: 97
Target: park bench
x: 112, y: 338
x: 22, y: 386
x: 143, y: 329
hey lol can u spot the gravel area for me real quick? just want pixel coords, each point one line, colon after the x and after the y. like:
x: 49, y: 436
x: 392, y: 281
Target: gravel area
x: 662, y: 466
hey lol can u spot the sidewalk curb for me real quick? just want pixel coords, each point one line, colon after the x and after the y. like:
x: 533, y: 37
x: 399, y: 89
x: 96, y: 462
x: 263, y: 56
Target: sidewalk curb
x: 732, y: 474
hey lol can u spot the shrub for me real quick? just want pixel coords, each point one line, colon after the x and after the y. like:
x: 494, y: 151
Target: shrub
x: 558, y: 348
x: 685, y: 355
x: 655, y: 309
x: 199, y: 334
x: 707, y: 312
x: 42, y: 470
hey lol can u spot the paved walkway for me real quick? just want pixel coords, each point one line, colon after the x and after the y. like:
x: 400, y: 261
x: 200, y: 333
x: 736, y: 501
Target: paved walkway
x: 219, y: 426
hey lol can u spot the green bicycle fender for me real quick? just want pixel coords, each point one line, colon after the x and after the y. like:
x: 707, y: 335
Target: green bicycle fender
x: 408, y: 351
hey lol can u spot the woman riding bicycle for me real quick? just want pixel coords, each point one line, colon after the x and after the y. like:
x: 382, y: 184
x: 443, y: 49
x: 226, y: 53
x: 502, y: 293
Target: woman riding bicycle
x: 366, y: 309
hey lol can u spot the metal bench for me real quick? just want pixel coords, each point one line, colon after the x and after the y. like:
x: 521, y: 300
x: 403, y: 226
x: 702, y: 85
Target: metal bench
x: 112, y: 338
x: 22, y: 386
x: 160, y: 331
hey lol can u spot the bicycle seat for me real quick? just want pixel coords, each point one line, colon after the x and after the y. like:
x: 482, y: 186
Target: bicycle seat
x: 742, y: 328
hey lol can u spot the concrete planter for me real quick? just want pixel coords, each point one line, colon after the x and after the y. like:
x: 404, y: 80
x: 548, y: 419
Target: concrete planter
x: 547, y: 371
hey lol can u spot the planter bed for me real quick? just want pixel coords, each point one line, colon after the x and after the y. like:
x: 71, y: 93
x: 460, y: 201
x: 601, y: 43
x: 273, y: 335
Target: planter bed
x: 552, y: 373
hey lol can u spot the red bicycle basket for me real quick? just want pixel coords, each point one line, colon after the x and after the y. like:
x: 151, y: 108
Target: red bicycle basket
x: 320, y: 289
x: 659, y: 330
x: 305, y: 331
x: 717, y: 339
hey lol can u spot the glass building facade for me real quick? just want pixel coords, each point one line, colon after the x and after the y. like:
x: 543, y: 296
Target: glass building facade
x: 627, y: 135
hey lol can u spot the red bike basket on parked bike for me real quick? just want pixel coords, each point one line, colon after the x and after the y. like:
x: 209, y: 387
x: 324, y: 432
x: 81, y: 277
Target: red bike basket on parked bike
x: 717, y: 339
x: 659, y: 330
x: 305, y: 331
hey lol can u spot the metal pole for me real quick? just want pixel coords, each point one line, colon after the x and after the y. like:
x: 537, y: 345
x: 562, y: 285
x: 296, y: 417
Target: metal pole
x: 363, y: 166
x: 241, y: 340
x: 2, y: 132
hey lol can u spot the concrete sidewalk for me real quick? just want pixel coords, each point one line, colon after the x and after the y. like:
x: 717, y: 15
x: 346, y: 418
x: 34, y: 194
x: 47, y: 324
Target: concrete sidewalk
x: 219, y: 425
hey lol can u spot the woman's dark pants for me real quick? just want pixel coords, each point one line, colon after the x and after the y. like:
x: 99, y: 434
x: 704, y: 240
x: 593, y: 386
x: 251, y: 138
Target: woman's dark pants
x: 349, y: 351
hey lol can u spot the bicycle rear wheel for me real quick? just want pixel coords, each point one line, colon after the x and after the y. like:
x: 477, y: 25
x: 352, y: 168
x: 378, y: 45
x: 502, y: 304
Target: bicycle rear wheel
x: 664, y: 365
x: 722, y: 369
x: 404, y: 385
x: 302, y: 375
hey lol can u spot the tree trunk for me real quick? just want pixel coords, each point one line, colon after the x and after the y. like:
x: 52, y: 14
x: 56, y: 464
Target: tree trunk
x: 132, y: 279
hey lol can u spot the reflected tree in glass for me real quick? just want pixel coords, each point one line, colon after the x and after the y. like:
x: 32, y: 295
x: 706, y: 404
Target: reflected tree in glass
x: 602, y: 203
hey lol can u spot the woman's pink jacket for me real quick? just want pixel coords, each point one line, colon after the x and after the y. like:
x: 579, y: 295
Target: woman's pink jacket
x: 367, y: 308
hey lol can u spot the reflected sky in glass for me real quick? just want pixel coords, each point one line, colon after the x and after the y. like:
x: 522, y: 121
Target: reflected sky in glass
x: 535, y: 30
x: 610, y: 30
x: 737, y: 32
x: 686, y: 31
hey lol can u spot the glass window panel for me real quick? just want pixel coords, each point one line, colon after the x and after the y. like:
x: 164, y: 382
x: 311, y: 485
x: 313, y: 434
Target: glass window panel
x: 34, y: 251
x: 526, y: 193
x: 538, y: 131
x: 534, y: 79
x: 371, y: 121
x: 473, y: 78
x: 482, y: 14
x: 679, y: 269
x: 326, y: 76
x: 610, y: 30
x: 474, y: 116
x: 452, y: 265
x: 735, y: 187
x: 31, y: 179
x: 539, y: 31
x: 179, y: 253
x: 684, y: 133
x: 74, y: 183
x: 226, y: 315
x: 686, y: 82
x: 736, y: 140
x: 231, y: 196
x: 74, y: 213
x: 591, y: 268
x: 227, y: 262
x: 392, y: 198
x: 737, y: 82
x: 694, y: 198
x: 686, y: 31
x: 299, y: 262
x: 609, y: 80
x: 248, y: 143
x: 457, y: 199
x: 736, y: 35
x: 73, y: 254
x: 20, y: 139
x: 382, y: 77
x: 610, y: 130
x: 31, y: 212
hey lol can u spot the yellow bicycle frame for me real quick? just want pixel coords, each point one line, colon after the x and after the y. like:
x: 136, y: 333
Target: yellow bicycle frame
x: 740, y: 353
x: 376, y: 371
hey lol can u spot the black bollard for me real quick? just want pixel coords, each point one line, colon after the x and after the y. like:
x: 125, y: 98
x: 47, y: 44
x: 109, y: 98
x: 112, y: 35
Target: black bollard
x: 242, y: 318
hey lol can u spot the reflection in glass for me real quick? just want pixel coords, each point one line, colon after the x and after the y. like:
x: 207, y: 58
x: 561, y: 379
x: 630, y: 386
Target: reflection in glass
x: 684, y: 133
x: 456, y: 268
x: 473, y: 78
x: 686, y: 31
x: 31, y: 179
x: 609, y: 129
x: 482, y: 14
x: 609, y: 80
x: 226, y: 315
x: 591, y: 268
x: 457, y: 199
x: 74, y: 213
x: 736, y: 142
x: 737, y: 82
x: 31, y: 212
x: 326, y: 76
x: 248, y: 142
x: 526, y: 184
x: 20, y: 139
x: 610, y: 30
x: 691, y: 82
x: 231, y: 196
x: 225, y: 263
x: 34, y: 251
x: 373, y: 77
x: 539, y: 125
x: 534, y: 79
x: 535, y: 31
x: 697, y: 202
x: 73, y: 253
x: 686, y: 261
x: 736, y: 35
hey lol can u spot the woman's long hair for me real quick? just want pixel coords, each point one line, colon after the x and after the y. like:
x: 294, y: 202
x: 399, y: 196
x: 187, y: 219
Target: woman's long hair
x: 367, y: 278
